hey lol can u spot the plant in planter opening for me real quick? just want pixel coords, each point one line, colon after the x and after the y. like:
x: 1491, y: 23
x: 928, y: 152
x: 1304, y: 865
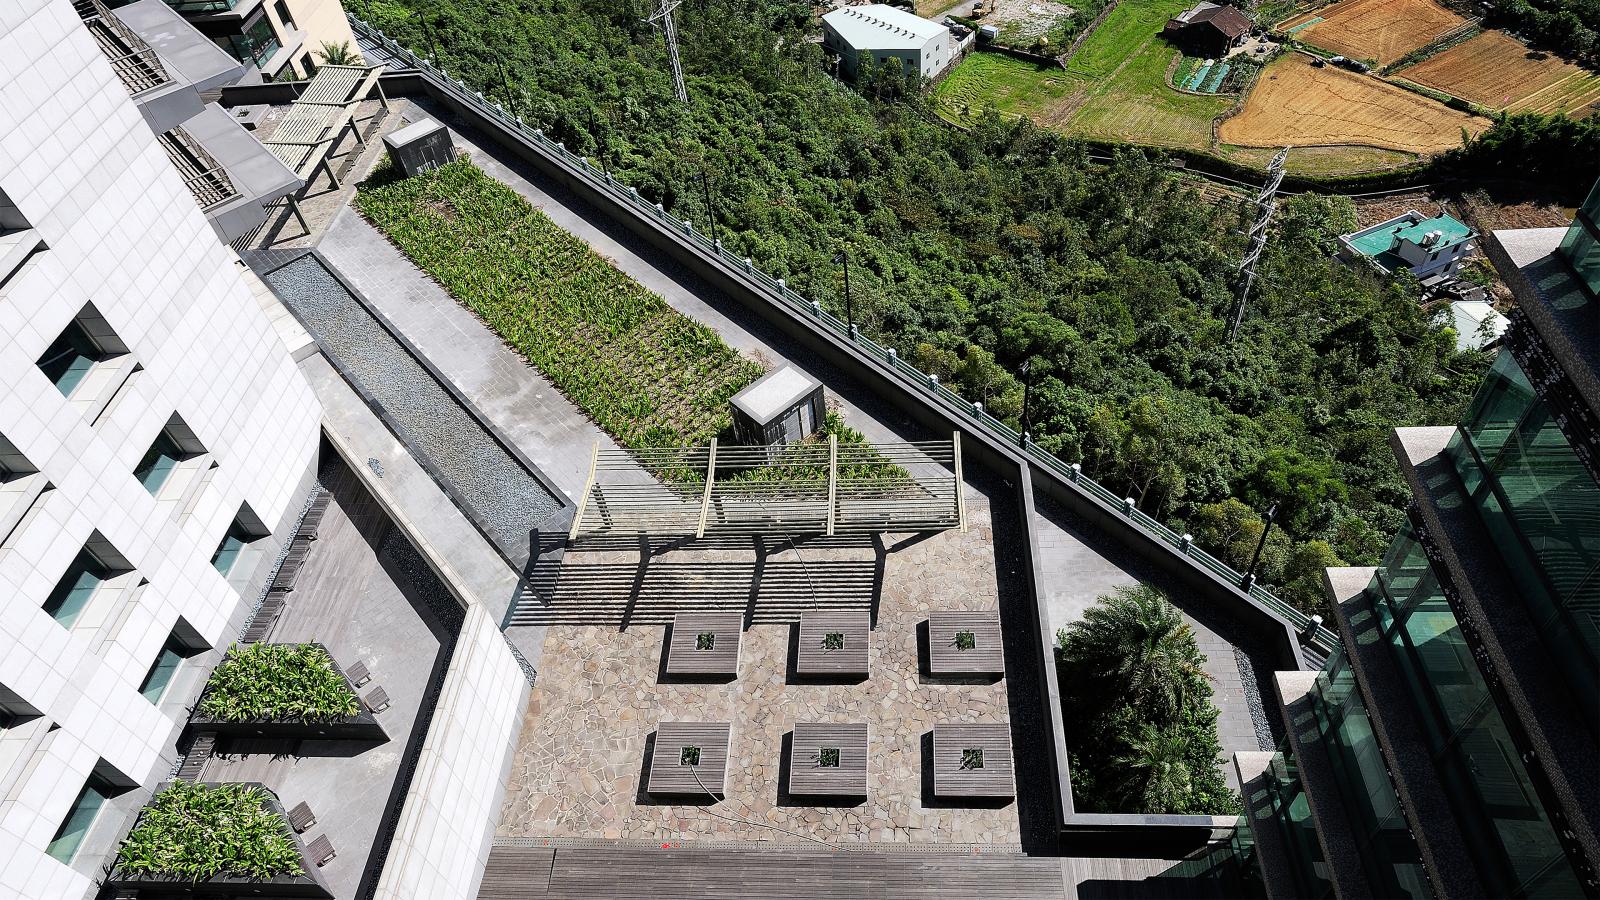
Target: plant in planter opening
x: 705, y: 640
x: 966, y: 640
x: 689, y: 756
x: 278, y: 682
x: 972, y: 758
x: 828, y: 757
x: 833, y: 640
x: 195, y: 832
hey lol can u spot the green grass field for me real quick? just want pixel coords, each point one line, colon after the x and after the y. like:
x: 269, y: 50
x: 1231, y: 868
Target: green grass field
x: 1113, y: 89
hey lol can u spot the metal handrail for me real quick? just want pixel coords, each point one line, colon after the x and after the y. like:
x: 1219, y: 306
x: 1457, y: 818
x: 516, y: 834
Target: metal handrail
x: 131, y: 58
x: 927, y: 385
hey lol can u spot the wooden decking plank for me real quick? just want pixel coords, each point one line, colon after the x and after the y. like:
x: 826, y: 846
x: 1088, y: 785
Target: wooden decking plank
x: 668, y: 775
x: 683, y: 655
x: 986, y: 657
x: 809, y: 778
x: 812, y: 658
x: 996, y: 779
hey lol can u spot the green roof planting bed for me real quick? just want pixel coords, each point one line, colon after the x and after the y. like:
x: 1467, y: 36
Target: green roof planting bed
x: 648, y: 375
x: 202, y: 832
x: 296, y: 687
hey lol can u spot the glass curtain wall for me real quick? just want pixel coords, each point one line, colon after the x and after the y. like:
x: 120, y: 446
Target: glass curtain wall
x: 1543, y: 508
x: 1291, y: 816
x: 1581, y: 246
x: 1390, y: 855
x: 1514, y: 844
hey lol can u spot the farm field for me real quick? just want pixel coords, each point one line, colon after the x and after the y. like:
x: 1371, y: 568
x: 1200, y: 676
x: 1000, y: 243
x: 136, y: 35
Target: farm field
x: 1339, y: 159
x: 644, y: 372
x: 1384, y: 30
x: 1296, y: 104
x: 1113, y: 89
x: 1496, y: 71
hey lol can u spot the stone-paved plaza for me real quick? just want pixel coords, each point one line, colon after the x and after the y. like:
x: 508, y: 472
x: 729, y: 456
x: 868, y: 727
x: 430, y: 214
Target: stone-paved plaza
x: 577, y: 770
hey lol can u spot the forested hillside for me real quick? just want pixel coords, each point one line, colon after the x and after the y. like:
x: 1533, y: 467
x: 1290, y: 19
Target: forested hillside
x: 974, y: 252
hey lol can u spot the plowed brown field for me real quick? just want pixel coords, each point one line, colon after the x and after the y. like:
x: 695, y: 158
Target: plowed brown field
x: 1384, y: 30
x: 1298, y: 105
x: 1495, y: 70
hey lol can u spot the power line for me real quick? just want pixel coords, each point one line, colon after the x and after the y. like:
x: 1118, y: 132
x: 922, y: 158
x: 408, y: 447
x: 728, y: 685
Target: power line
x: 663, y: 18
x: 1266, y: 203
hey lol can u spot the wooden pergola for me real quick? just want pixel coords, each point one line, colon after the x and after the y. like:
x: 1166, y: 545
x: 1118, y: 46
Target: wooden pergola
x: 813, y: 488
x: 317, y: 119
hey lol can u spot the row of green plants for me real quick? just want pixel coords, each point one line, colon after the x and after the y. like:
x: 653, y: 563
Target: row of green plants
x: 1143, y: 732
x: 278, y: 683
x: 195, y: 832
x: 859, y: 461
x: 645, y: 373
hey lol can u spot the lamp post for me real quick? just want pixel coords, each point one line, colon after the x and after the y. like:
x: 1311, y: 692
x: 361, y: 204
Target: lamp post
x: 428, y: 33
x: 1027, y: 391
x: 843, y: 256
x: 1249, y: 578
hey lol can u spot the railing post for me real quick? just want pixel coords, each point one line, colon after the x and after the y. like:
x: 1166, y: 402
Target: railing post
x: 833, y: 480
x: 705, y: 499
x: 1187, y: 543
x: 1077, y: 470
x: 1127, y: 506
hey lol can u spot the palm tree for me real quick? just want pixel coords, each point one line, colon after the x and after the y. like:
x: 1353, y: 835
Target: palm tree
x: 1133, y: 645
x: 1158, y: 777
x: 339, y: 54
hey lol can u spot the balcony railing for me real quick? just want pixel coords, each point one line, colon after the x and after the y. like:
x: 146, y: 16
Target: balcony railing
x: 202, y: 175
x: 202, y: 6
x: 134, y: 62
x: 928, y: 386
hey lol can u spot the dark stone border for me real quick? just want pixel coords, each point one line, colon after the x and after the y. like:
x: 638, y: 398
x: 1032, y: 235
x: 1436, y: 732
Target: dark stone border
x: 360, y: 727
x: 308, y: 883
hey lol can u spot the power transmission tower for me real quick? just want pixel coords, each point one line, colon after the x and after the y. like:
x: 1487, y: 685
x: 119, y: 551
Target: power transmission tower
x: 1266, y: 203
x: 663, y: 18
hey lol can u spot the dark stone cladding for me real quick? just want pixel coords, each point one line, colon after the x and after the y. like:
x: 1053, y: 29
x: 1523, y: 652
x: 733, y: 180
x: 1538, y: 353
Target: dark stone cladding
x: 1397, y: 722
x: 1564, y: 317
x: 1577, y: 420
x: 1546, y: 719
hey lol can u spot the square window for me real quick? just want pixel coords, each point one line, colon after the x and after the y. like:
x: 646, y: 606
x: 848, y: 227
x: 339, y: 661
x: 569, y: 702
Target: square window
x: 158, y: 462
x: 67, y: 361
x: 972, y: 758
x: 160, y: 674
x: 833, y: 640
x: 231, y: 548
x: 828, y: 757
x: 77, y: 585
x: 80, y: 818
x: 705, y: 640
x: 966, y: 640
x: 689, y: 756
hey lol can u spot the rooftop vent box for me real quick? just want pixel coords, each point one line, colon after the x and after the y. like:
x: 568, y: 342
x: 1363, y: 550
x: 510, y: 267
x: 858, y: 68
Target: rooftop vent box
x: 420, y: 147
x: 782, y: 407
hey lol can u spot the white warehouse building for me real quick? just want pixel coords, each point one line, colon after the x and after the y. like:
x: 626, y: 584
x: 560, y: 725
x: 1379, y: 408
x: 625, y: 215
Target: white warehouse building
x: 877, y: 33
x: 157, y: 441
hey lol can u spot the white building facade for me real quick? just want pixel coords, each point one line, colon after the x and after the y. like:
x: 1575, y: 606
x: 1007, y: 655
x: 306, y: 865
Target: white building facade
x: 878, y: 33
x: 156, y: 444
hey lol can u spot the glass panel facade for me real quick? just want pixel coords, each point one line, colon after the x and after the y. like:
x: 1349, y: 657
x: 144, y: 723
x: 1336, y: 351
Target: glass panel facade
x: 66, y: 361
x: 1291, y: 816
x: 160, y: 675
x: 1581, y: 246
x: 256, y: 45
x: 1494, y: 801
x: 79, y: 819
x: 72, y: 592
x: 158, y: 463
x: 1387, y: 850
x: 1542, y: 507
x: 193, y: 6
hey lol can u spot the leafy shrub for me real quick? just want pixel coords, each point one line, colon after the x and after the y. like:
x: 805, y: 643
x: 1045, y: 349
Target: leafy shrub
x: 278, y: 682
x: 1141, y: 728
x: 197, y: 831
x: 648, y: 375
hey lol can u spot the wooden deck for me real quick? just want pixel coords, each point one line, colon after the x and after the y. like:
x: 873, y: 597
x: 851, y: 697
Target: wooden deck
x: 668, y: 774
x: 674, y: 873
x: 994, y: 780
x: 685, y: 657
x: 809, y: 778
x: 813, y: 659
x: 945, y: 657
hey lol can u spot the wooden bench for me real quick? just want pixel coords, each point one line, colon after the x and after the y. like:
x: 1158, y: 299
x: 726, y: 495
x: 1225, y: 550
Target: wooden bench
x: 358, y: 673
x: 301, y: 817
x: 828, y: 759
x: 949, y: 634
x: 377, y: 700
x: 817, y: 657
x: 320, y: 850
x: 675, y: 770
x: 194, y: 762
x: 705, y: 644
x: 973, y: 761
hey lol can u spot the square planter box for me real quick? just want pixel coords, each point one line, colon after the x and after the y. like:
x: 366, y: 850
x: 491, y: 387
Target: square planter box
x: 360, y: 727
x: 308, y: 883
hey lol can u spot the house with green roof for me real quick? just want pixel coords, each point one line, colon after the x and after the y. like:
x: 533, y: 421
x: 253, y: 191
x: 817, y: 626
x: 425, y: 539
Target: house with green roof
x: 1432, y: 249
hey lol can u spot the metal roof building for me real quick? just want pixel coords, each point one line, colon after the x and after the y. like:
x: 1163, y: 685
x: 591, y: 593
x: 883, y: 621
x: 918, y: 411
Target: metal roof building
x: 882, y: 32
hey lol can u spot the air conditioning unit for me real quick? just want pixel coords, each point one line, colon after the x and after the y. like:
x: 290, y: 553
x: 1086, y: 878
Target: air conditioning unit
x: 421, y: 146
